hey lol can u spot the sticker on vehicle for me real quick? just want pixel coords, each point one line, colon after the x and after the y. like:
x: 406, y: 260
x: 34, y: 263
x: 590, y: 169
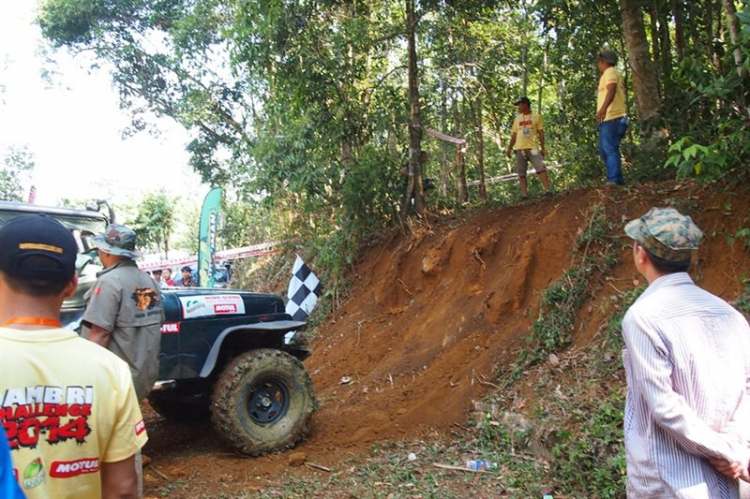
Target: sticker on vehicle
x: 170, y: 328
x: 202, y: 306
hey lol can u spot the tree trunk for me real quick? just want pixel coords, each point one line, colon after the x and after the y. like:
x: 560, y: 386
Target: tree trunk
x: 540, y: 94
x: 656, y: 41
x: 679, y: 31
x: 463, y: 194
x: 665, y: 44
x: 525, y: 70
x: 645, y: 83
x: 734, y: 33
x: 653, y: 17
x: 480, y: 149
x: 444, y: 144
x: 414, y: 186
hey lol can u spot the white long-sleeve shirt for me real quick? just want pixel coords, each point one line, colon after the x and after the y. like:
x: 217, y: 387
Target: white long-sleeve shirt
x: 687, y: 361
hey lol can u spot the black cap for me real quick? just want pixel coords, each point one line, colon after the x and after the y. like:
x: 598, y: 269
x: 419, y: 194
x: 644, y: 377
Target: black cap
x: 37, y: 235
x: 522, y: 100
x: 608, y: 56
x: 186, y: 269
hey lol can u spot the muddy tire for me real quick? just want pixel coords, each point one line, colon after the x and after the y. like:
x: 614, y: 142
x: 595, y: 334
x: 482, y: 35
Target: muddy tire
x: 177, y: 406
x: 262, y: 402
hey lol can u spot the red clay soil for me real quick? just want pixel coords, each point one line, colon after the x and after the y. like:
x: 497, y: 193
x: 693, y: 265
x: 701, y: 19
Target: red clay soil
x: 433, y: 314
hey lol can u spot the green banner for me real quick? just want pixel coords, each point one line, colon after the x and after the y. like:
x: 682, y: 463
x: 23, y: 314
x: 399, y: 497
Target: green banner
x: 207, y: 237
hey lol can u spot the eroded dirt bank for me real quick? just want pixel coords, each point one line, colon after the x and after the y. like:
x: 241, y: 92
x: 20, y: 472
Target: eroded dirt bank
x: 431, y: 316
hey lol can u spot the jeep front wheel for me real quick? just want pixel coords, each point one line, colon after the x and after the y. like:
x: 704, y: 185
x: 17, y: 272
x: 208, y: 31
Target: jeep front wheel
x: 263, y: 402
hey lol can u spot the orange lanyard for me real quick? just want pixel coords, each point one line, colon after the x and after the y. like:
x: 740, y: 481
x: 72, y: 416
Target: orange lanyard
x: 36, y: 321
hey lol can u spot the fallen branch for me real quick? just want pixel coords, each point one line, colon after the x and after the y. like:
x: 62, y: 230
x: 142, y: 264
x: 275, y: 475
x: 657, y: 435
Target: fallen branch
x: 404, y: 285
x: 318, y: 467
x: 161, y: 474
x: 481, y: 382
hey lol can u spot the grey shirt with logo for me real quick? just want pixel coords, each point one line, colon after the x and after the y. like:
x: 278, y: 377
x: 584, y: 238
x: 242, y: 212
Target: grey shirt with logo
x: 127, y: 302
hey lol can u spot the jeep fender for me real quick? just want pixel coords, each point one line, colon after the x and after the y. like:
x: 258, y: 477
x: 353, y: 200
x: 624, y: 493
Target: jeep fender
x: 275, y: 326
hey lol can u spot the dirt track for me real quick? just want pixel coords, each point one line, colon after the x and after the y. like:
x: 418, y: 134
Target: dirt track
x: 431, y: 316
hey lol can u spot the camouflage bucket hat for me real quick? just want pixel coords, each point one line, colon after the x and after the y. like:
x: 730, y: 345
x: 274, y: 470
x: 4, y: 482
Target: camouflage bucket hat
x: 117, y: 240
x: 666, y: 233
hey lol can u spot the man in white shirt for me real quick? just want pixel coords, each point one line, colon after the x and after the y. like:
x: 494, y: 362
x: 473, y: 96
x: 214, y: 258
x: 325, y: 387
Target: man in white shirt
x: 687, y: 362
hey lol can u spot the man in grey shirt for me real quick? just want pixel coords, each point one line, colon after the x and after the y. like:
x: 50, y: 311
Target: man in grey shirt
x: 124, y: 310
x: 687, y: 362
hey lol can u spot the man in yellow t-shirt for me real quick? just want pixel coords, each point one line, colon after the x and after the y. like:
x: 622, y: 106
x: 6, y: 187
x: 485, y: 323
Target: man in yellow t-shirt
x: 611, y: 114
x: 527, y: 139
x: 67, y: 405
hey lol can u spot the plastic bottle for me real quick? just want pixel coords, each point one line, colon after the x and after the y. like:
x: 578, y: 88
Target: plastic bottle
x: 480, y: 464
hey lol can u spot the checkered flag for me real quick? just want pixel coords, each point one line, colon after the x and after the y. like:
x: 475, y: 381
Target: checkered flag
x: 304, y: 289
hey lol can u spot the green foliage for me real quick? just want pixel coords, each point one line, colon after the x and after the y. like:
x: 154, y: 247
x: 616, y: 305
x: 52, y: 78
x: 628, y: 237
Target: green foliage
x: 154, y: 222
x: 301, y: 107
x: 18, y: 163
x: 717, y: 138
x: 574, y: 419
x: 742, y: 302
x: 592, y: 460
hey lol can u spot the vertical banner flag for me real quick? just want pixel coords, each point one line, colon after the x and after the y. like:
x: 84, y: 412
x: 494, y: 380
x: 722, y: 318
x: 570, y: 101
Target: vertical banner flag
x: 32, y: 195
x: 209, y: 225
x: 304, y: 289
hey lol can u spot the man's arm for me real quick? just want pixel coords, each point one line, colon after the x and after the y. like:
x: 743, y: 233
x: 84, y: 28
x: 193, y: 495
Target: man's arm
x: 99, y: 335
x: 512, y: 143
x: 602, y: 113
x: 120, y: 480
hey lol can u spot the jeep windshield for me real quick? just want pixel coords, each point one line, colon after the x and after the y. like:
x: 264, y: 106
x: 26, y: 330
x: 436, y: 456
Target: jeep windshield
x: 83, y: 224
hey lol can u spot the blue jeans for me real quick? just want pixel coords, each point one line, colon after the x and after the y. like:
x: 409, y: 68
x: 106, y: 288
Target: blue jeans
x: 610, y: 134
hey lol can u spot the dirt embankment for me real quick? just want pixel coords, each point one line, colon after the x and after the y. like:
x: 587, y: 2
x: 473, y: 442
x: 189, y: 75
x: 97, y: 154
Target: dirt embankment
x: 433, y: 313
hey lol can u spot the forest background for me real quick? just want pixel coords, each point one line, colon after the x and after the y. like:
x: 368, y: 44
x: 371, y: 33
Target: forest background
x: 305, y: 112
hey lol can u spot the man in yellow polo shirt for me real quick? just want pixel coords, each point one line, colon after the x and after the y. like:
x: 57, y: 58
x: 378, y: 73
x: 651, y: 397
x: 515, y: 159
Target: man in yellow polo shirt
x: 611, y: 114
x: 67, y: 405
x: 527, y: 139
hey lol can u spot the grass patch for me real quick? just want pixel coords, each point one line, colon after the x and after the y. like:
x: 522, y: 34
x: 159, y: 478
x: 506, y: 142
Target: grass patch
x: 570, y: 439
x: 596, y: 253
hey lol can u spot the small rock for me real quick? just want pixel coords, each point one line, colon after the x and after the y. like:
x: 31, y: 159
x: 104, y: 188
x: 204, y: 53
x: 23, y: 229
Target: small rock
x: 297, y: 459
x: 412, y: 457
x: 554, y: 359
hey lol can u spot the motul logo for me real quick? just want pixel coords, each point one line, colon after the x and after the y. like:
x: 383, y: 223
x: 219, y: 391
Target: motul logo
x: 170, y: 328
x: 140, y: 427
x: 228, y: 308
x: 67, y: 469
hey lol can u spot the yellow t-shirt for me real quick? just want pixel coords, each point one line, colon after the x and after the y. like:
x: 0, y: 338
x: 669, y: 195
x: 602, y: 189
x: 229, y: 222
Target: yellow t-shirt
x: 67, y: 406
x: 617, y: 108
x: 527, y: 128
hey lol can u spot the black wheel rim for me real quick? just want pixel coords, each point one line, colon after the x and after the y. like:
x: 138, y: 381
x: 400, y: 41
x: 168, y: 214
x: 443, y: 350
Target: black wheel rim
x: 267, y: 402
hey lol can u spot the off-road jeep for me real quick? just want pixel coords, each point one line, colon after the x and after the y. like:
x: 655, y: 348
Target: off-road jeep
x: 223, y: 352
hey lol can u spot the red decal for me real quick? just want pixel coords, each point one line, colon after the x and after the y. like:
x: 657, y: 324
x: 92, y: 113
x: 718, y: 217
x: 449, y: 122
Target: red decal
x: 67, y: 469
x: 170, y: 328
x: 15, y: 473
x: 140, y: 427
x: 228, y: 308
x: 98, y: 290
